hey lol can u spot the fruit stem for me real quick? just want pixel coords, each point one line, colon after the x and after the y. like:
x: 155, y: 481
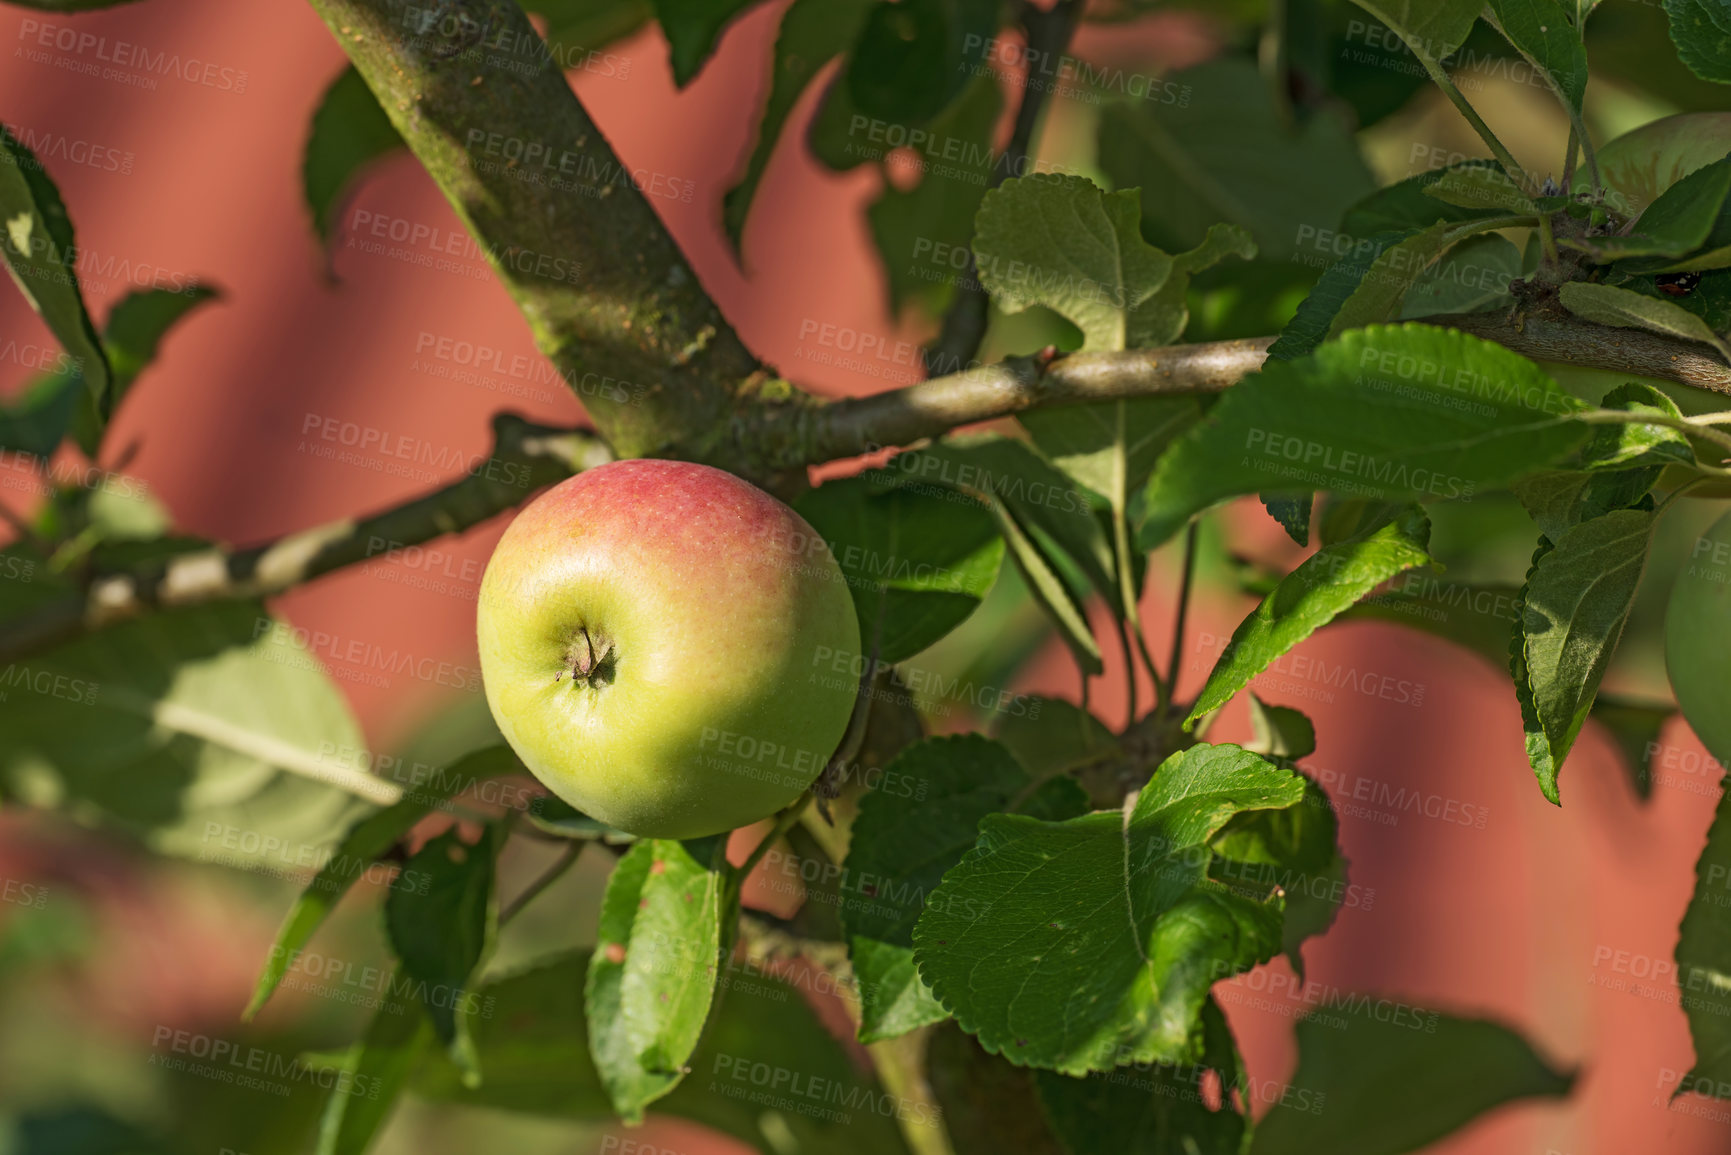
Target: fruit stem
x: 588, y: 662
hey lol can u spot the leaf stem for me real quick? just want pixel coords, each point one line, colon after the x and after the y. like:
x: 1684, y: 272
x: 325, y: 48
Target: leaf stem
x: 785, y: 819
x: 1504, y: 157
x: 1683, y: 424
x: 1130, y: 621
x: 567, y: 858
x: 1185, y: 581
x: 1129, y: 671
x: 1547, y: 239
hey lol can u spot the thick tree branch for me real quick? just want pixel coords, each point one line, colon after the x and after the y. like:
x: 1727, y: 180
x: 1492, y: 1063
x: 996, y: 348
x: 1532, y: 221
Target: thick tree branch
x: 788, y: 433
x: 1565, y: 338
x: 609, y: 297
x: 525, y: 457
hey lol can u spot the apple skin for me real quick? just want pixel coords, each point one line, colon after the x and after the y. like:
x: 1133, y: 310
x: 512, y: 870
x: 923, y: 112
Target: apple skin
x: 1698, y: 639
x: 659, y: 644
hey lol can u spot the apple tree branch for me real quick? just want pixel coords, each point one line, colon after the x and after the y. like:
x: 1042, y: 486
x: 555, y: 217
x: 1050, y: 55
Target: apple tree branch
x: 608, y: 295
x: 525, y: 458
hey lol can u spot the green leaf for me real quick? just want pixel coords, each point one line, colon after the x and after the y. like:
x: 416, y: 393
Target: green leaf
x: 1226, y: 154
x: 79, y: 1129
x: 920, y: 558
x: 553, y: 815
x: 1623, y: 446
x: 37, y: 422
x: 893, y: 1000
x: 1038, y: 568
x: 1559, y: 500
x: 576, y: 28
x: 1405, y: 206
x: 1479, y: 617
x: 1290, y: 513
x: 1431, y: 28
x: 1680, y: 221
x: 1701, y: 30
x: 1485, y: 188
x: 989, y: 1105
x: 1062, y: 242
x: 1394, y: 412
x: 349, y: 132
x: 1473, y: 275
x: 1690, y: 214
x: 939, y: 210
x: 369, y: 838
x: 913, y: 57
x: 533, y: 1047
x: 1609, y: 305
x: 1576, y: 603
x: 1296, y: 850
x: 138, y: 323
x: 1002, y: 471
x: 1635, y: 728
x: 1054, y: 736
x: 1396, y: 1079
x: 1153, y: 1110
x: 441, y: 919
x: 1281, y: 731
x: 532, y: 1041
x: 904, y: 843
x: 1046, y: 522
x: 1704, y: 961
x: 1540, y: 756
x: 692, y: 28
x: 135, y: 330
x: 1370, y: 285
x: 1314, y: 320
x: 813, y: 32
x: 1308, y: 598
x: 200, y: 730
x: 372, y: 1075
x: 42, y: 255
x: 1547, y: 38
x: 1087, y: 944
x: 652, y: 980
x: 1083, y: 440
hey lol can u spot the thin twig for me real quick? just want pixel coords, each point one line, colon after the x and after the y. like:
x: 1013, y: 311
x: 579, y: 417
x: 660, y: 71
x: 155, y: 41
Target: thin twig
x: 1048, y: 38
x: 525, y: 457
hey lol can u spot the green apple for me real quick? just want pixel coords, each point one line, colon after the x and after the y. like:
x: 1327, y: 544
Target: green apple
x: 1698, y: 639
x: 658, y: 641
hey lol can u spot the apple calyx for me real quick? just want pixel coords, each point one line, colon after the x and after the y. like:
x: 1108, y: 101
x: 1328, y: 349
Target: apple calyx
x: 590, y: 659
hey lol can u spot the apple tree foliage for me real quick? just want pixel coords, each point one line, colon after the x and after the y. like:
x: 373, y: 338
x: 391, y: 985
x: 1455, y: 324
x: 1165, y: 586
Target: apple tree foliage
x: 1027, y: 928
